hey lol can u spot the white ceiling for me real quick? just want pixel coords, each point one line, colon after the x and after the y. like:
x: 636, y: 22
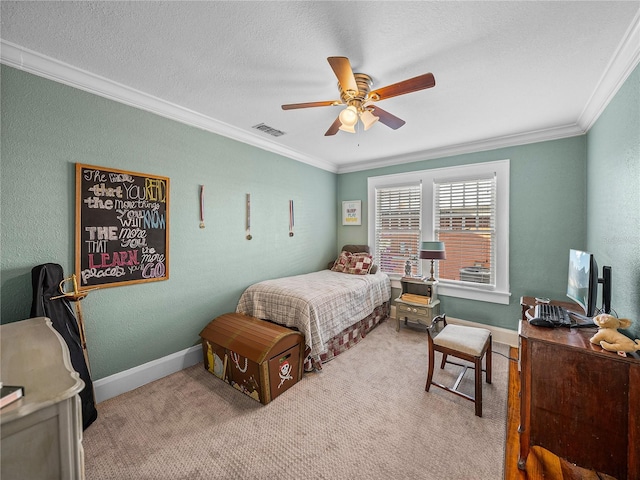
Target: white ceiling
x: 506, y: 73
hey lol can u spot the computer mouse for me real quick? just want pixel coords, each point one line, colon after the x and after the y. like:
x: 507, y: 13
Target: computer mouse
x: 541, y: 322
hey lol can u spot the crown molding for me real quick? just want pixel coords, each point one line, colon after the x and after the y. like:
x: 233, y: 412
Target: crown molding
x: 624, y: 61
x: 495, y: 143
x: 43, y: 66
x: 621, y: 65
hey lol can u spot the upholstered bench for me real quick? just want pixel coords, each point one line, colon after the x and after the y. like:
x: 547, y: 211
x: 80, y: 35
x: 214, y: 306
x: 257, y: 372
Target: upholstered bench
x: 467, y: 343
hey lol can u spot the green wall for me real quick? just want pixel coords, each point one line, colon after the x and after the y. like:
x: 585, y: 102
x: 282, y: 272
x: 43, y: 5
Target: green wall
x: 613, y: 197
x: 547, y: 218
x: 48, y: 127
x: 580, y: 192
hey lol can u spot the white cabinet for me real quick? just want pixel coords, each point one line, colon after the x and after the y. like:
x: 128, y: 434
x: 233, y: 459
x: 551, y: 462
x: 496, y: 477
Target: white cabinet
x: 41, y: 432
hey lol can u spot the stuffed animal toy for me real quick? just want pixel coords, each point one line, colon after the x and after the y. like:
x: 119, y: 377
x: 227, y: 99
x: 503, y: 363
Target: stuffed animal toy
x: 608, y: 336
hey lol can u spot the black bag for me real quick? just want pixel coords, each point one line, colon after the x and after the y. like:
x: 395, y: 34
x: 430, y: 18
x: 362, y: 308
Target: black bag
x: 46, y: 279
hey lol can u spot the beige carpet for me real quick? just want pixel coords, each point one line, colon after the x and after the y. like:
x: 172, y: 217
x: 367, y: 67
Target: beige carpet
x: 365, y: 416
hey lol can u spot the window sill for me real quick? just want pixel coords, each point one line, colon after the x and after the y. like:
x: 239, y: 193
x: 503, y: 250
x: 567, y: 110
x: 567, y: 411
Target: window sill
x: 459, y: 291
x: 470, y: 293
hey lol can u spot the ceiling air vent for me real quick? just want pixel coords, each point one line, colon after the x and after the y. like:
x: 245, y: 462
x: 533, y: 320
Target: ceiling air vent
x: 267, y: 129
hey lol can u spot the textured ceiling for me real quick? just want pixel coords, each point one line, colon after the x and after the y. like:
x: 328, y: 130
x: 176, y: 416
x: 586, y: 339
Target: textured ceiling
x: 506, y: 72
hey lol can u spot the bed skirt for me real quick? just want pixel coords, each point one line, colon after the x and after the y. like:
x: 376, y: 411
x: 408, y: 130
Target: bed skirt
x: 348, y: 337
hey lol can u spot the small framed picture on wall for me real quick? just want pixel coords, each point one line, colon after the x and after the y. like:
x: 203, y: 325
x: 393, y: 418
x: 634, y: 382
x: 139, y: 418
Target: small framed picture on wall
x: 352, y: 212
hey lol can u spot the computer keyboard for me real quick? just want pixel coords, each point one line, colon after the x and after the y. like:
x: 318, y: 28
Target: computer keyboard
x: 556, y: 314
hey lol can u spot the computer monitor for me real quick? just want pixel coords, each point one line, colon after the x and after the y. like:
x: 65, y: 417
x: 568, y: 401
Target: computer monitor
x: 582, y: 283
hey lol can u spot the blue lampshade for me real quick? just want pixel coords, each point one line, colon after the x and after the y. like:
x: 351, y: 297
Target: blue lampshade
x: 432, y: 246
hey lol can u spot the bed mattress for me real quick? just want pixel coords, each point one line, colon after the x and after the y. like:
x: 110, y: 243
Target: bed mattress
x: 319, y: 304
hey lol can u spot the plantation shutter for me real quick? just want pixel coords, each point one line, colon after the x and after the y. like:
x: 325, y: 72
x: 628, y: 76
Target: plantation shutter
x: 397, y: 230
x: 465, y: 217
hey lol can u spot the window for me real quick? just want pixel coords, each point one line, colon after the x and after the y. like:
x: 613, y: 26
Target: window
x: 465, y: 221
x: 397, y: 228
x: 466, y: 207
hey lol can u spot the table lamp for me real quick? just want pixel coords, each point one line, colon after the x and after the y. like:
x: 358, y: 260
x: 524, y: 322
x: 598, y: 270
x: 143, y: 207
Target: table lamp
x: 432, y: 251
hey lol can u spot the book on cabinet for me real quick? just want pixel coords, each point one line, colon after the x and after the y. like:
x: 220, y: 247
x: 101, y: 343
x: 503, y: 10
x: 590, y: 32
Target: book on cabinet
x: 9, y: 394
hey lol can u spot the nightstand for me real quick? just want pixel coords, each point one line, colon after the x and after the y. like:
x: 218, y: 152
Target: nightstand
x: 416, y: 311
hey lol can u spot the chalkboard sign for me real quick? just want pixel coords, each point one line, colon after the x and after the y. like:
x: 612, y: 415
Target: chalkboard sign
x: 122, y: 227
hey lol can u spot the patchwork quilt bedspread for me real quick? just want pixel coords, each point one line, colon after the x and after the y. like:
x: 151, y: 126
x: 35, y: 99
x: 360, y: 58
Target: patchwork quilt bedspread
x: 319, y: 304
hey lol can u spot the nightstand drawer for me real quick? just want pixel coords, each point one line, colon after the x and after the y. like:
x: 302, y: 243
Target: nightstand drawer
x: 417, y: 310
x: 416, y: 313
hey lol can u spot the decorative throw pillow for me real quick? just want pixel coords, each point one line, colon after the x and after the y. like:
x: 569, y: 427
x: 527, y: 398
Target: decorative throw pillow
x: 342, y: 263
x: 360, y: 263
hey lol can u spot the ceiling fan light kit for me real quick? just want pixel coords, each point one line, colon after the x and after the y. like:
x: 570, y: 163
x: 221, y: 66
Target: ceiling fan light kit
x: 368, y: 119
x: 347, y: 128
x: 355, y: 93
x: 349, y: 116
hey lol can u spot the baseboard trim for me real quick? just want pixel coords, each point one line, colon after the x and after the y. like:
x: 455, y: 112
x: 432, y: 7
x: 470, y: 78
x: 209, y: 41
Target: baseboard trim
x: 135, y: 377
x: 122, y: 382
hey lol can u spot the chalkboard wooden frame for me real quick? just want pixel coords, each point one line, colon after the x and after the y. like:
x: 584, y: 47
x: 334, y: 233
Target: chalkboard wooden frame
x: 122, y: 227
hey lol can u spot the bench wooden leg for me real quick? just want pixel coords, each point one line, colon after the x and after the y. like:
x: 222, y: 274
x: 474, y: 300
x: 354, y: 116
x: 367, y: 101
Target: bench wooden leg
x: 488, y: 360
x: 478, y: 380
x: 430, y: 371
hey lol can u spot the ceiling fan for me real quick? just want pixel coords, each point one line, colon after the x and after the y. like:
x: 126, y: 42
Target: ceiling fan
x: 356, y: 94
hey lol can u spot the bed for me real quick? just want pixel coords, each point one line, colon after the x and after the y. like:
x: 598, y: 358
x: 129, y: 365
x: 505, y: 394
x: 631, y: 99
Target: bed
x: 334, y: 309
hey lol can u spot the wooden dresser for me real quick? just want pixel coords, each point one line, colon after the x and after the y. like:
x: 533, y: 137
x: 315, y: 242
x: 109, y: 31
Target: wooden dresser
x: 578, y: 401
x: 41, y: 432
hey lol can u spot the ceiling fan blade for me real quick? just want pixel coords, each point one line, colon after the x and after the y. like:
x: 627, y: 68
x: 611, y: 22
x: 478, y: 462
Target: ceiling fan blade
x: 407, y: 86
x: 388, y: 119
x: 342, y: 68
x: 333, y: 129
x: 328, y: 103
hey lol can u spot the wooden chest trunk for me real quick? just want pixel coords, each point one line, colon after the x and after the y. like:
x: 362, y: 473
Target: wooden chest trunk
x: 259, y: 358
